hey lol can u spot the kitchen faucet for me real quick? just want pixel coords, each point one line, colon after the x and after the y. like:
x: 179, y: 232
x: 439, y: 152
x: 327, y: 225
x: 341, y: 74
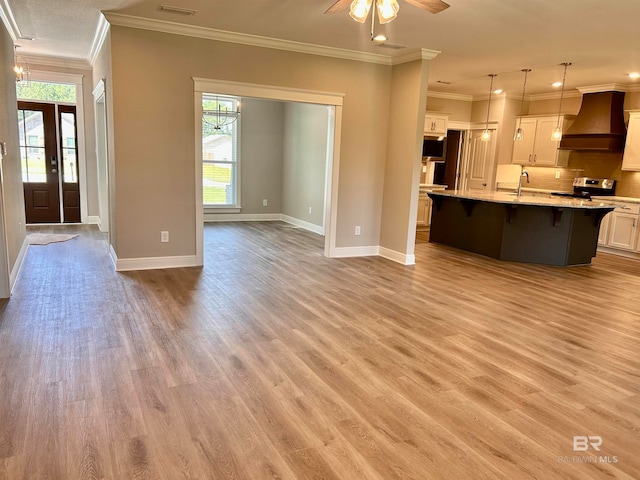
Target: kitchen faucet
x: 523, y: 174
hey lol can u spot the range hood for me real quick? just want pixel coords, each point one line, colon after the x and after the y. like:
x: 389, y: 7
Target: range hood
x: 599, y: 124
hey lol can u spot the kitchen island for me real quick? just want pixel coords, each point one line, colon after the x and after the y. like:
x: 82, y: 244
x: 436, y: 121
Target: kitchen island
x: 533, y: 229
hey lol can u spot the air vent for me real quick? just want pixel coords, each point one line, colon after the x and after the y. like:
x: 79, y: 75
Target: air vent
x: 393, y: 46
x: 177, y: 10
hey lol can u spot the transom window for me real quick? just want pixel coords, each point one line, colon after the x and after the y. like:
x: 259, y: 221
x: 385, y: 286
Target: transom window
x: 219, y: 151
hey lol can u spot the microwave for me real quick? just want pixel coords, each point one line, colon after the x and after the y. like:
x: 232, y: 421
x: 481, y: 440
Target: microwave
x: 434, y: 149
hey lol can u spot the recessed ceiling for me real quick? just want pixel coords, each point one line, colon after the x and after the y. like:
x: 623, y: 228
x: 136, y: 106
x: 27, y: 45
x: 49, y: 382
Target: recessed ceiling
x: 475, y: 37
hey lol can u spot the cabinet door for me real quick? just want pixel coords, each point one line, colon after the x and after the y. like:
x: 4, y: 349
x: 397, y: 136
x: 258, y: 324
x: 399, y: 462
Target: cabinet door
x: 523, y: 149
x: 422, y: 206
x: 545, y: 151
x: 603, y: 233
x: 435, y: 124
x: 631, y: 158
x: 623, y: 230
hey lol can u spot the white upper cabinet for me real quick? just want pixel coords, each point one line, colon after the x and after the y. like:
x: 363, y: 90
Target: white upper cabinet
x: 537, y: 148
x: 631, y: 157
x: 435, y: 124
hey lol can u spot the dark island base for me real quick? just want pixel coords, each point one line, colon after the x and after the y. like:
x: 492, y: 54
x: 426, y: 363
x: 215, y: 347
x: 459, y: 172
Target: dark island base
x: 519, y: 233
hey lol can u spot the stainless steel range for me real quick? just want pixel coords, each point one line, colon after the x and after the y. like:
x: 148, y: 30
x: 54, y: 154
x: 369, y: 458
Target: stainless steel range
x: 585, y: 187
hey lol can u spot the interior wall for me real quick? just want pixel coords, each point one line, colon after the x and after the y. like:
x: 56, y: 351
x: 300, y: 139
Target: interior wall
x: 261, y: 147
x: 304, y: 161
x: 12, y: 196
x: 457, y: 110
x: 404, y: 158
x: 153, y: 131
x: 102, y: 71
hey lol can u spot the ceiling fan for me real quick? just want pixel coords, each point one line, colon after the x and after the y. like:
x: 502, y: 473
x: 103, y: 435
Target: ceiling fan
x: 387, y: 9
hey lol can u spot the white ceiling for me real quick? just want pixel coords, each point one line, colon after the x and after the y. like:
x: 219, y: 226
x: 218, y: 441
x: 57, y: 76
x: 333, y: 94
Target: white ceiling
x: 475, y: 37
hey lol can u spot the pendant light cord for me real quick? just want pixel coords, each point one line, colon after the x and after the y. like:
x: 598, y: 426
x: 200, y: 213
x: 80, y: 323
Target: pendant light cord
x: 524, y: 89
x: 564, y: 77
x: 492, y: 75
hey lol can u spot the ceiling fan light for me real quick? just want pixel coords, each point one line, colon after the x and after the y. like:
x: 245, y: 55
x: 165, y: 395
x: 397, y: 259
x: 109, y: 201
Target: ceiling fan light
x: 380, y: 38
x: 387, y: 10
x: 359, y: 10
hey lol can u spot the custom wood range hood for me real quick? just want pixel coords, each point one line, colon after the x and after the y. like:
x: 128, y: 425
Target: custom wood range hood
x: 599, y: 125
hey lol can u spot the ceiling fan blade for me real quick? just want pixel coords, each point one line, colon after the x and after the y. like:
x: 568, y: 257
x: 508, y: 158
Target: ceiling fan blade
x: 339, y: 6
x: 433, y: 6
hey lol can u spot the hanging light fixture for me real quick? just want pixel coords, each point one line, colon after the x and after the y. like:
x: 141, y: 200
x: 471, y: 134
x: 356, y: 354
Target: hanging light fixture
x: 221, y: 115
x: 486, y: 134
x: 556, y: 135
x: 519, y: 135
x: 23, y: 73
x: 387, y: 10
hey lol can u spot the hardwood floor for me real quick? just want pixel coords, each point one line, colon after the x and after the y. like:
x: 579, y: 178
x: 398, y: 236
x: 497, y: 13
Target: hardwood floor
x: 274, y: 362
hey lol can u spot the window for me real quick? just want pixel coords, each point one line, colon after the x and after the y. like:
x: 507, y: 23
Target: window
x: 46, y: 91
x: 219, y: 151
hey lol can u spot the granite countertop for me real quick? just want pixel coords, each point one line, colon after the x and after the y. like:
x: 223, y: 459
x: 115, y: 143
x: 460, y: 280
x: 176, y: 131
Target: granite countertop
x: 537, y: 200
x: 432, y: 185
x: 617, y: 199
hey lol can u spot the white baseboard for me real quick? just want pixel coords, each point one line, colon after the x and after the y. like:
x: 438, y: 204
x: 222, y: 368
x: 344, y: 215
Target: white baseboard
x: 17, y: 266
x: 93, y: 220
x: 344, y: 252
x: 398, y: 257
x: 241, y: 217
x: 302, y: 224
x: 262, y: 217
x: 151, y: 263
x: 616, y: 251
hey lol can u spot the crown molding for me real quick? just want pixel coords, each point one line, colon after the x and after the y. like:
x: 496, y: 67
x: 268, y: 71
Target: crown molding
x: 98, y: 39
x: 450, y: 96
x: 9, y: 21
x: 555, y: 95
x: 58, y: 62
x: 603, y: 88
x: 164, y: 26
x: 414, y: 54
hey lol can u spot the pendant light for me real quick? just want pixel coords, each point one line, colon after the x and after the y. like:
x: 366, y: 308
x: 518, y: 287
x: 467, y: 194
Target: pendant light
x: 556, y: 135
x: 519, y: 135
x: 486, y: 134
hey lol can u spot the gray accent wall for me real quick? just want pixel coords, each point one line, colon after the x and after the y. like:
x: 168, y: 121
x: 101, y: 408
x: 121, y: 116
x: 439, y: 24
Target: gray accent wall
x: 305, y: 161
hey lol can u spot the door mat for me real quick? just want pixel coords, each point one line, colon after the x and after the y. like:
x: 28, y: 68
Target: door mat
x: 47, y: 238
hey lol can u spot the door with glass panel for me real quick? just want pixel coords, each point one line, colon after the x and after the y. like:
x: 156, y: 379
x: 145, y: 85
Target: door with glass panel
x: 40, y: 177
x: 69, y: 163
x: 48, y: 176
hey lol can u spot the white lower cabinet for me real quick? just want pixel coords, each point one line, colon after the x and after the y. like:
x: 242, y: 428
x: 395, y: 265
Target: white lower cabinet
x: 619, y: 229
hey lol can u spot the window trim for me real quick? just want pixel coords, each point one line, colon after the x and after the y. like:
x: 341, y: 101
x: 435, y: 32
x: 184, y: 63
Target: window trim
x: 237, y: 205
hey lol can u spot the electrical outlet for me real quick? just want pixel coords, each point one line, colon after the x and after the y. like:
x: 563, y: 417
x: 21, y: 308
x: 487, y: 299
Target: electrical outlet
x: 164, y: 236
x: 357, y: 231
x: 424, y: 169
x: 309, y: 210
x: 264, y: 202
x: 557, y: 173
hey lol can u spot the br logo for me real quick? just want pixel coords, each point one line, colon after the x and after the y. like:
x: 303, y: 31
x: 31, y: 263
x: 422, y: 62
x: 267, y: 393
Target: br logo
x: 582, y: 443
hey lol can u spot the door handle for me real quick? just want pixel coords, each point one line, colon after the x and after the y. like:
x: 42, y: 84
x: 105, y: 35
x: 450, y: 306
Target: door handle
x: 54, y: 161
x: 484, y: 184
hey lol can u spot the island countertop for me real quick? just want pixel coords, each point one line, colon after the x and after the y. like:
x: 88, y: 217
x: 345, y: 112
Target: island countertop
x: 513, y: 199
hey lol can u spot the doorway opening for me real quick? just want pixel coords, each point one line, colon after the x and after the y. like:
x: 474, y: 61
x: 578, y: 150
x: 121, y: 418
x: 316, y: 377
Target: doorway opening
x: 332, y: 106
x: 51, y: 142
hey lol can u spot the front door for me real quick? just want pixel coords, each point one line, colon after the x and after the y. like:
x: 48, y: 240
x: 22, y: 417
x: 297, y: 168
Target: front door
x: 40, y: 178
x: 41, y: 168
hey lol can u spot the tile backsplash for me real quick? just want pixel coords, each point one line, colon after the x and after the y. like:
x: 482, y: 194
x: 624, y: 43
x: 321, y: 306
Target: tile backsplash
x: 586, y: 164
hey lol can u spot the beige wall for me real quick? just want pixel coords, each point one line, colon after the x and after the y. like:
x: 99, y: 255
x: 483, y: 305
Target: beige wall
x: 457, y: 110
x: 261, y: 140
x: 304, y: 161
x: 153, y: 128
x: 12, y: 197
x: 404, y: 155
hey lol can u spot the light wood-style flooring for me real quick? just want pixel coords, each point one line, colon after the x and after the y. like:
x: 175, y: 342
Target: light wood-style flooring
x: 274, y: 362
